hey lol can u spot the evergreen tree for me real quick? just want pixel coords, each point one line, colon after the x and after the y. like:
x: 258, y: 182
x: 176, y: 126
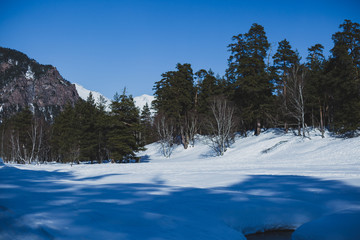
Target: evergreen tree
x: 316, y: 90
x: 175, y: 98
x: 284, y: 59
x: 102, y: 129
x: 123, y: 136
x: 147, y: 131
x: 248, y: 76
x: 174, y: 93
x: 208, y: 88
x: 344, y: 81
x: 66, y: 134
x: 86, y: 114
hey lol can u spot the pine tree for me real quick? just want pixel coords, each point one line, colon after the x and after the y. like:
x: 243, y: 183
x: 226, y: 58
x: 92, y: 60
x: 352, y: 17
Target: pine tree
x: 208, y: 88
x: 175, y: 98
x: 147, y: 132
x: 66, y: 134
x: 316, y: 90
x: 123, y: 136
x: 248, y: 76
x: 102, y: 129
x: 343, y: 72
x: 86, y: 114
x: 284, y: 59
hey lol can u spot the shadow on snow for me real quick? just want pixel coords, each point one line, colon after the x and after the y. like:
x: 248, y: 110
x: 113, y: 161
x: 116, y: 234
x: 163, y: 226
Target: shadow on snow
x: 57, y: 205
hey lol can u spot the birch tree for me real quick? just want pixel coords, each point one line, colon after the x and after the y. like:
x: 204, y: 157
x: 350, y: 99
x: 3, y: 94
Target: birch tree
x: 222, y: 126
x: 295, y: 85
x: 165, y: 130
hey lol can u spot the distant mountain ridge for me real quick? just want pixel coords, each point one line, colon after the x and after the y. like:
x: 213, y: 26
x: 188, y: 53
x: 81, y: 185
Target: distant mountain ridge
x: 140, y: 101
x: 25, y: 83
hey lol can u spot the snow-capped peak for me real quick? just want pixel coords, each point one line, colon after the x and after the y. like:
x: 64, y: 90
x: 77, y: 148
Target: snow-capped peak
x: 84, y: 93
x: 140, y: 101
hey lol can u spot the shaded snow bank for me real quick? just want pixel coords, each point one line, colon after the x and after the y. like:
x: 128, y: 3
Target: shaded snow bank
x: 342, y: 225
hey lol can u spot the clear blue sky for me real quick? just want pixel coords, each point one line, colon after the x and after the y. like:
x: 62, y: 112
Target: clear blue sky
x: 108, y: 45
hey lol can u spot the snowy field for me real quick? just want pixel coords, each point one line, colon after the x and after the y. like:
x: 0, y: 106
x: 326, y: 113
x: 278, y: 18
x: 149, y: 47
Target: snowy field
x: 273, y: 181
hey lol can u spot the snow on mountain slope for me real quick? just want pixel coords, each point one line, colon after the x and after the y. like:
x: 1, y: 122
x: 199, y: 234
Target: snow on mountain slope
x: 140, y: 101
x: 84, y: 93
x: 271, y: 181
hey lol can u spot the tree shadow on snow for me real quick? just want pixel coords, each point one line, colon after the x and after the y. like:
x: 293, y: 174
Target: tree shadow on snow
x: 58, y: 205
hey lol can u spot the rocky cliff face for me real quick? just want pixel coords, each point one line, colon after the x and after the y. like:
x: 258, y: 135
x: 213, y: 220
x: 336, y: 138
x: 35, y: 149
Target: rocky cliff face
x: 26, y: 83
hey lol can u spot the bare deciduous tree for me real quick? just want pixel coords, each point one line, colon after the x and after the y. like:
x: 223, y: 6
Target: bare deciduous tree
x: 165, y: 131
x: 24, y: 145
x: 188, y: 129
x: 295, y: 86
x: 222, y: 126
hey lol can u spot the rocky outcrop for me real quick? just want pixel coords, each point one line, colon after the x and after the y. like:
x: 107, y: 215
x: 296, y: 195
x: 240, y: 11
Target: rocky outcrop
x: 26, y: 83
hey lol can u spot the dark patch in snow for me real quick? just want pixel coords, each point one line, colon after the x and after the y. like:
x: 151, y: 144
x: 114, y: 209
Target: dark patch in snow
x: 273, y: 147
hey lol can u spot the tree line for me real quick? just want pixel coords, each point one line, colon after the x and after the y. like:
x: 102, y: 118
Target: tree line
x: 259, y: 90
x: 263, y: 91
x: 85, y: 132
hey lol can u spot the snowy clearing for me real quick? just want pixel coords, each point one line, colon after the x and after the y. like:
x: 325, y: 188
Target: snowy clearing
x: 273, y: 181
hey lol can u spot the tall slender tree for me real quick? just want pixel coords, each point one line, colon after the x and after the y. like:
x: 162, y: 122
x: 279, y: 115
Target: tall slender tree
x: 284, y: 59
x: 344, y: 80
x: 316, y: 90
x: 146, y: 121
x: 248, y: 76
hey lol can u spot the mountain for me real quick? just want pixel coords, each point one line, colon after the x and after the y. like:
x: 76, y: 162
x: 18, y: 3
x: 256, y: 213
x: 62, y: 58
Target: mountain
x: 140, y: 101
x: 25, y: 83
x: 84, y: 93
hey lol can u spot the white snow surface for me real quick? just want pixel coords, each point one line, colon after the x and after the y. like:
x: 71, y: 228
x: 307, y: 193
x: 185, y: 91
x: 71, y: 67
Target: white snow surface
x: 271, y: 181
x: 29, y: 74
x: 140, y: 101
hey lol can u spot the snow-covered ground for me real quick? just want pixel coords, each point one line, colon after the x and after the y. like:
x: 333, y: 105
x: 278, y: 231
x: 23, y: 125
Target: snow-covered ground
x: 273, y: 181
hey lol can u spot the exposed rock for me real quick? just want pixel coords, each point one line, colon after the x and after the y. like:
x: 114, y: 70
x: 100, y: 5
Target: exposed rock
x: 26, y: 83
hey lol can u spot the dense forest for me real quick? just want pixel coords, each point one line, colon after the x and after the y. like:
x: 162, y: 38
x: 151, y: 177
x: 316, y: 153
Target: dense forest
x: 258, y: 91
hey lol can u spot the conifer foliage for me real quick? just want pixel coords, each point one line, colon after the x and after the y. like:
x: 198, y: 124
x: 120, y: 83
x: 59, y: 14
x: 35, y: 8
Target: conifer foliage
x: 175, y: 99
x: 88, y: 133
x: 344, y: 74
x: 124, y: 129
x: 248, y: 76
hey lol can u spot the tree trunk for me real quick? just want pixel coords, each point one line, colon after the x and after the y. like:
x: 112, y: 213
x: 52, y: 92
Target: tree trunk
x: 321, y: 123
x: 258, y: 128
x: 285, y: 106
